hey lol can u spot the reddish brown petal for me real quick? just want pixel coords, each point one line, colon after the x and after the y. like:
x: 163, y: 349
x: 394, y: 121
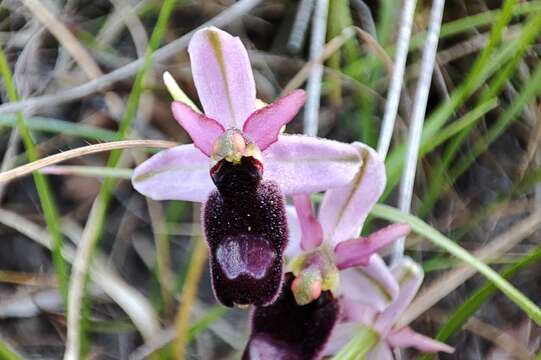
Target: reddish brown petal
x: 246, y: 229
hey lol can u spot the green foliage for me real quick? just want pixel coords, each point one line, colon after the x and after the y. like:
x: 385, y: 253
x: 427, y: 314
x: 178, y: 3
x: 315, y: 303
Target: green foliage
x: 98, y: 216
x: 422, y: 228
x: 459, y: 317
x: 46, y: 197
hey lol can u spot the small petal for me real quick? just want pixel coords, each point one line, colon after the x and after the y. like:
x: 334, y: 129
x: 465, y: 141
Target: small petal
x: 263, y: 126
x: 294, y: 244
x: 344, y: 209
x: 353, y: 311
x: 357, y: 252
x: 406, y: 337
x: 223, y: 76
x: 304, y: 164
x: 247, y: 235
x: 203, y: 130
x: 285, y: 330
x: 409, y: 276
x: 180, y: 173
x: 177, y: 93
x: 312, y: 234
x: 372, y: 285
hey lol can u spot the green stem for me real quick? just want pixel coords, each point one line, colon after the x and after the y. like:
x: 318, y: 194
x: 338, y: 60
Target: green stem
x: 357, y: 348
x: 42, y: 186
x: 7, y: 353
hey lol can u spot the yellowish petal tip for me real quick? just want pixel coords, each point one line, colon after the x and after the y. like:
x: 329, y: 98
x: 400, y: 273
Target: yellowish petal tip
x: 176, y: 92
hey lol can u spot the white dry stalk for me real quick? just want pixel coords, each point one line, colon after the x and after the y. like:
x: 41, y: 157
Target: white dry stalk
x: 313, y: 88
x: 395, y: 86
x: 77, y: 281
x: 105, y: 81
x: 298, y: 30
x: 417, y: 118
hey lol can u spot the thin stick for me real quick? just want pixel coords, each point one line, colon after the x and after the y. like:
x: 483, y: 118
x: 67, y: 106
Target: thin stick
x: 85, y: 150
x: 313, y: 88
x: 333, y: 45
x: 189, y: 294
x: 395, y: 86
x: 105, y: 81
x: 373, y: 43
x: 418, y: 114
x: 298, y: 30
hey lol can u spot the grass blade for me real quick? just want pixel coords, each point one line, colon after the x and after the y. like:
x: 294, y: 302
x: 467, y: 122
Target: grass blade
x: 7, y: 353
x: 479, y: 297
x: 42, y: 186
x: 422, y: 228
x: 359, y: 346
x: 435, y: 121
x: 189, y: 293
x: 56, y: 126
x: 440, y: 181
x: 407, y: 181
x: 98, y: 213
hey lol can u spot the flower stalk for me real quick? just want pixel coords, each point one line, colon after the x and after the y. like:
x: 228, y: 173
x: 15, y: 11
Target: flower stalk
x: 360, y: 345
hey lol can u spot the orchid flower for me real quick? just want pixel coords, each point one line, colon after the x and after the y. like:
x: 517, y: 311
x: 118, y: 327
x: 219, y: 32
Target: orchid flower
x: 329, y: 261
x: 330, y: 252
x: 251, y: 168
x: 409, y: 276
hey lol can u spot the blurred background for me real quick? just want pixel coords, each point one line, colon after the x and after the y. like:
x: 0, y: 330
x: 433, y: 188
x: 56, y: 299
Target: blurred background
x: 478, y: 179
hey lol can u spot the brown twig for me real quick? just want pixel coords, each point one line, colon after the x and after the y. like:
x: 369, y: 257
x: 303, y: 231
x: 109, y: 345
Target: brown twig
x: 82, y: 151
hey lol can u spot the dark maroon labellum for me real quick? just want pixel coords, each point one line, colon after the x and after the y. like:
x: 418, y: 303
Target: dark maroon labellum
x: 246, y: 229
x: 287, y: 331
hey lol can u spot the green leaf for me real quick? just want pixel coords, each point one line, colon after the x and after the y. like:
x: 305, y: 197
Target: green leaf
x: 479, y: 297
x: 45, y: 195
x: 422, y: 228
x: 441, y: 181
x: 56, y: 126
x: 7, y: 353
